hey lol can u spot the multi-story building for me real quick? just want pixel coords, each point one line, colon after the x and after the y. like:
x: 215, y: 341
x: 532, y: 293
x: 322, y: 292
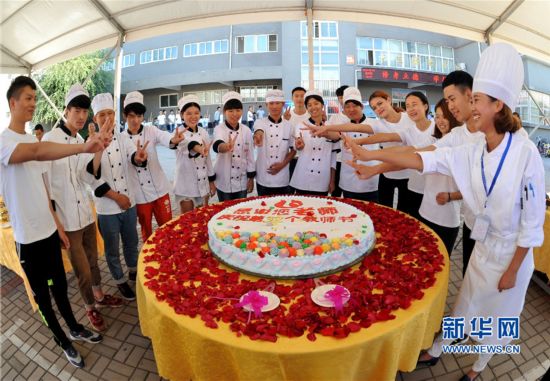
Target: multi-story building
x: 253, y: 58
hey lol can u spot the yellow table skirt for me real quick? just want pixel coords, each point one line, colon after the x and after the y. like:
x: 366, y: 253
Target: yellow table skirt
x: 186, y: 349
x: 542, y: 254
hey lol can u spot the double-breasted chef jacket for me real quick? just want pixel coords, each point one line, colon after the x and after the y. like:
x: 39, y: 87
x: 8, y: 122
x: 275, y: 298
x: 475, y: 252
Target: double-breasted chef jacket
x: 233, y: 169
x: 70, y: 182
x: 149, y: 182
x: 114, y: 172
x: 193, y: 171
x: 278, y: 140
x: 312, y: 172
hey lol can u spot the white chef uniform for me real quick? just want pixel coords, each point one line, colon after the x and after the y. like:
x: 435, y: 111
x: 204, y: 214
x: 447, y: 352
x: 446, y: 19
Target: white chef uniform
x: 193, y: 171
x: 149, y: 183
x: 278, y: 140
x: 68, y: 180
x: 233, y: 168
x: 312, y: 172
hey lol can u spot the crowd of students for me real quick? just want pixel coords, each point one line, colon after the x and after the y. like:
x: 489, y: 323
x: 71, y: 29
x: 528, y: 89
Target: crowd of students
x: 432, y: 165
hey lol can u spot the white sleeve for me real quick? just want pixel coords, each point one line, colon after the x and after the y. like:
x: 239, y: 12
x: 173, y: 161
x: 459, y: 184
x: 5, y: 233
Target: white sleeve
x: 531, y: 233
x: 161, y: 137
x: 250, y: 162
x: 6, y: 149
x: 291, y: 139
x: 334, y: 154
x: 446, y: 141
x: 438, y: 161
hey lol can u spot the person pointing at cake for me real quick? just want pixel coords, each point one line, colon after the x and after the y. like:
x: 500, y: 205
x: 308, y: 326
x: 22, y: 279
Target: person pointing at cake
x: 502, y: 181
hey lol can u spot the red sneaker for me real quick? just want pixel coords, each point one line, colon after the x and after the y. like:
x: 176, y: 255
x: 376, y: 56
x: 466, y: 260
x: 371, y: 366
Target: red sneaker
x: 96, y: 320
x: 109, y: 301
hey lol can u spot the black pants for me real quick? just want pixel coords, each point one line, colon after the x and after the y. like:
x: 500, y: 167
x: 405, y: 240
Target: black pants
x: 447, y: 235
x: 467, y: 247
x: 43, y: 265
x: 310, y: 193
x: 223, y: 196
x: 413, y: 202
x: 337, y: 190
x: 386, y: 188
x: 268, y: 191
x: 365, y: 196
x: 292, y: 165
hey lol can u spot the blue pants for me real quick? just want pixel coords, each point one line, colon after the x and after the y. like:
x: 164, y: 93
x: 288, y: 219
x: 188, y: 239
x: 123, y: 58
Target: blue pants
x: 112, y: 228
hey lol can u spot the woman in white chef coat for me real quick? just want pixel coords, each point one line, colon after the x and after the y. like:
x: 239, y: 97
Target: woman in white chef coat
x: 194, y: 179
x: 274, y: 139
x: 235, y: 166
x: 316, y: 167
x: 502, y: 181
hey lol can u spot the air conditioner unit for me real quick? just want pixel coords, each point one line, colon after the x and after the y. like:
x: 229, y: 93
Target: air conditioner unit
x: 460, y: 66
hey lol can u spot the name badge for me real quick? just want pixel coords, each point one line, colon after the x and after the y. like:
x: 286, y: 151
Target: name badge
x: 481, y: 228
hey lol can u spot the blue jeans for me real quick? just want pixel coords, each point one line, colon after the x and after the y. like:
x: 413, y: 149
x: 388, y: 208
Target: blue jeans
x: 112, y: 228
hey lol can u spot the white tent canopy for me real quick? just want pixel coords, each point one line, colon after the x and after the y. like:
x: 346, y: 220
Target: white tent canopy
x: 38, y: 33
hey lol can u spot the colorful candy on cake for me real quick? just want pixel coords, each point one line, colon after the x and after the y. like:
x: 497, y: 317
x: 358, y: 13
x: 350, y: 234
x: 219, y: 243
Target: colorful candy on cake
x: 290, y: 236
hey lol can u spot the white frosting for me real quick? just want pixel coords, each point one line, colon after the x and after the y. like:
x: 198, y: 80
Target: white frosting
x: 285, y: 216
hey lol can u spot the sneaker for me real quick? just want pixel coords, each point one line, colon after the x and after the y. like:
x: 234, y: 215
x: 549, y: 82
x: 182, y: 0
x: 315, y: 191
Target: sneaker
x: 132, y: 275
x: 109, y: 301
x: 96, y: 320
x: 86, y: 335
x: 74, y: 357
x: 126, y: 291
x: 460, y: 341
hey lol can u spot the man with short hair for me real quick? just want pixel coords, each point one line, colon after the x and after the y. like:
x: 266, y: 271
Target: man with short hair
x: 38, y: 132
x: 36, y: 227
x: 296, y: 116
x: 68, y: 182
x: 340, y: 118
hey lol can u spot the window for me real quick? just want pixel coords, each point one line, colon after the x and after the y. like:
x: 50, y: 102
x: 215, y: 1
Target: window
x: 209, y: 97
x: 108, y: 65
x: 527, y: 109
x: 129, y: 60
x: 256, y: 43
x: 404, y: 55
x: 205, y: 48
x: 254, y: 93
x: 156, y: 55
x: 321, y: 29
x: 168, y: 100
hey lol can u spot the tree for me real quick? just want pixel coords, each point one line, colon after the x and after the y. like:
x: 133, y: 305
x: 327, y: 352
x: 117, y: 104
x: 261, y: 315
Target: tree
x: 57, y: 79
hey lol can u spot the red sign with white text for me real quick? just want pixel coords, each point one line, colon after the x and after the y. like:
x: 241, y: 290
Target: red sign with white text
x: 401, y: 76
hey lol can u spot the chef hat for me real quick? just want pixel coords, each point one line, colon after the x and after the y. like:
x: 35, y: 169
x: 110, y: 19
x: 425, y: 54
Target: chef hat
x: 352, y: 94
x: 102, y: 102
x: 76, y: 90
x: 274, y: 95
x: 191, y: 98
x: 500, y: 74
x: 134, y: 103
x: 316, y: 94
x: 230, y: 95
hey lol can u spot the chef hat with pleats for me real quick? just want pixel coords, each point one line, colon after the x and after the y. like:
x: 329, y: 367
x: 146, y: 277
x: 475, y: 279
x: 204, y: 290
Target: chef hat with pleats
x: 184, y: 101
x: 231, y: 95
x: 274, y: 95
x: 352, y: 94
x: 315, y: 94
x: 76, y: 90
x: 500, y: 74
x: 103, y: 101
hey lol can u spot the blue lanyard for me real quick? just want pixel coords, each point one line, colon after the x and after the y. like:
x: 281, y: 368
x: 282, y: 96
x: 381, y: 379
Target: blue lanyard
x: 498, y: 169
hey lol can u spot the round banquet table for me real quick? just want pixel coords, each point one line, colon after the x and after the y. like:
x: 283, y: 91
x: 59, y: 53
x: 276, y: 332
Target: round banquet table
x: 185, y: 348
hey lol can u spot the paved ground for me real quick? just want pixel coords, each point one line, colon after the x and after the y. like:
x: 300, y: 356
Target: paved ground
x: 28, y: 353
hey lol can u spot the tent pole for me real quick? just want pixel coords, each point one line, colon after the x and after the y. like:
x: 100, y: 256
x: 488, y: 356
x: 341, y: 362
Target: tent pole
x: 118, y: 78
x: 310, y: 46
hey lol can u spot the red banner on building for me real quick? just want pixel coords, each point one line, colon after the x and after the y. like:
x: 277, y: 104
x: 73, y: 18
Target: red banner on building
x: 401, y: 76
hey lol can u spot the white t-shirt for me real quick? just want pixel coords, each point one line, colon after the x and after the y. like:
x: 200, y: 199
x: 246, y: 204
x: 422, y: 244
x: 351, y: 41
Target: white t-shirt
x: 460, y: 136
x: 297, y: 120
x: 447, y: 215
x: 383, y: 126
x: 412, y: 136
x: 24, y: 191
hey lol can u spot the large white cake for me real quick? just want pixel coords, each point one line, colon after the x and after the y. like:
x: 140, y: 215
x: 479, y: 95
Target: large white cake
x: 290, y: 236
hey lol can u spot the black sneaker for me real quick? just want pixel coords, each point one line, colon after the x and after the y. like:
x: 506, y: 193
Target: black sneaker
x: 74, y: 357
x: 126, y: 291
x: 460, y: 341
x: 86, y: 335
x: 132, y: 275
